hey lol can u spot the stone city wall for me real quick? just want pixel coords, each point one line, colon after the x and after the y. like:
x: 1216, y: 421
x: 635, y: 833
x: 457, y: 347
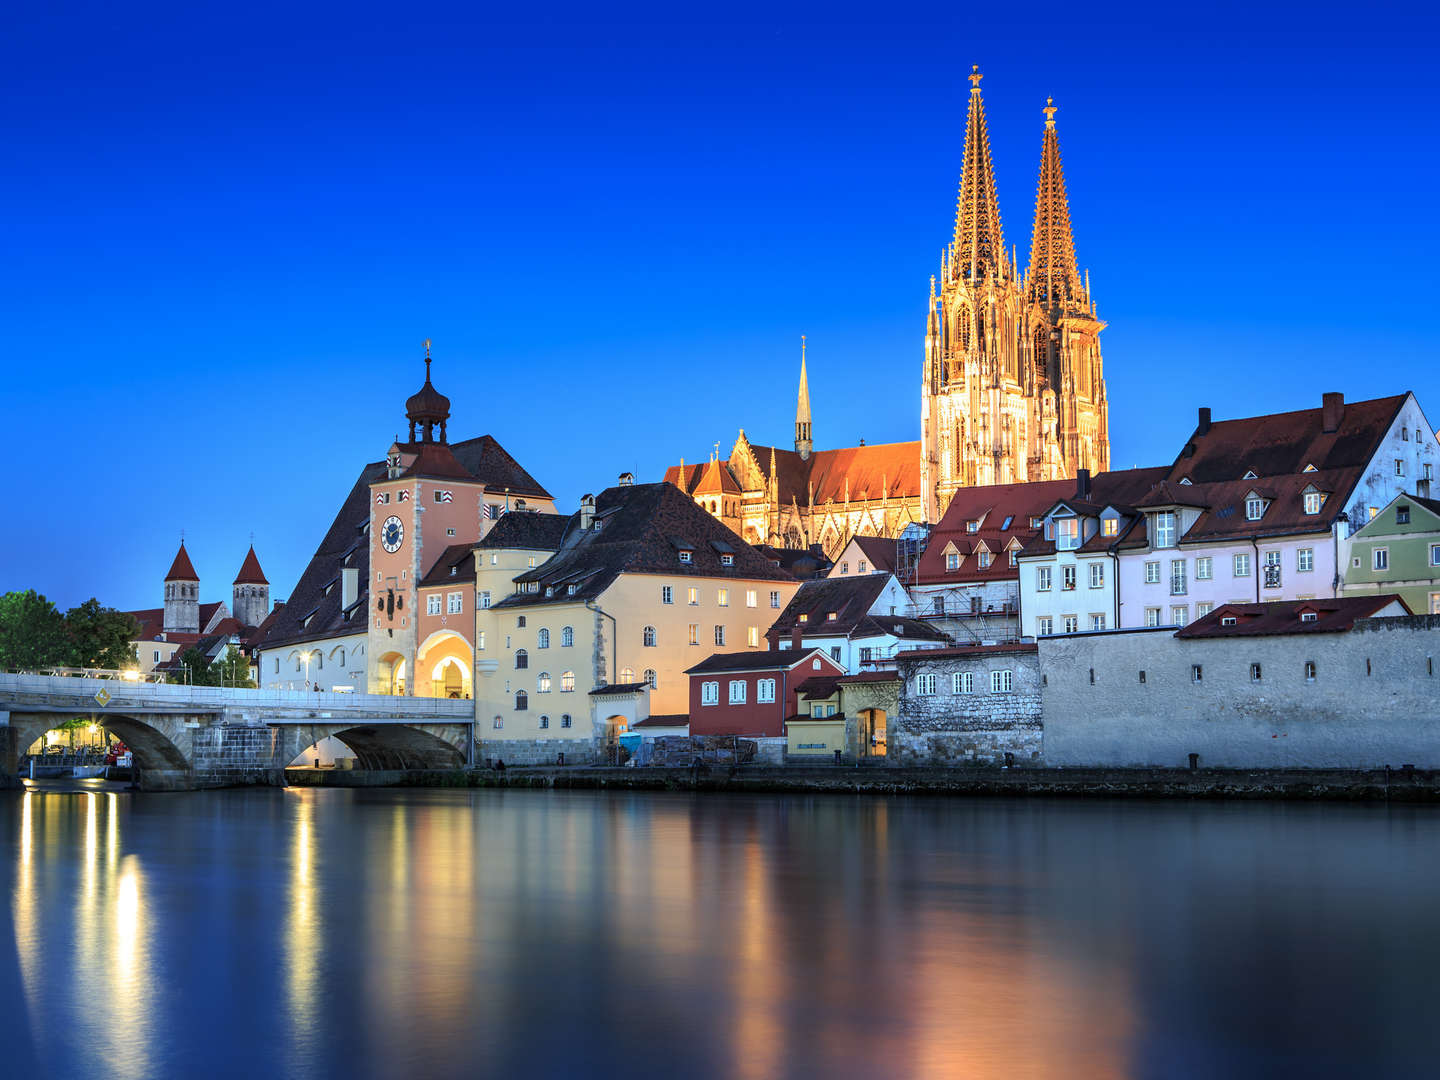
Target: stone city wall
x: 967, y: 728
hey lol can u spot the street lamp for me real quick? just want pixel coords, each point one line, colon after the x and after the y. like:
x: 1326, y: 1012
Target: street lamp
x: 306, y: 655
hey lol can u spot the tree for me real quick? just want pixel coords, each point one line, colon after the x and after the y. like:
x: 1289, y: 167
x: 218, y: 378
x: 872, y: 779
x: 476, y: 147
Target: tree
x: 232, y: 669
x: 101, y: 637
x: 194, y: 669
x: 32, y: 632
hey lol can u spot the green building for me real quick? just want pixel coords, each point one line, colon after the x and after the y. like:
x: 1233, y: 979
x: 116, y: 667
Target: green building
x: 1398, y: 551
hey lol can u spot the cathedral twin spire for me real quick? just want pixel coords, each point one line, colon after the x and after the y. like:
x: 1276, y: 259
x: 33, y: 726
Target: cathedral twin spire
x: 1053, y: 277
x: 978, y: 249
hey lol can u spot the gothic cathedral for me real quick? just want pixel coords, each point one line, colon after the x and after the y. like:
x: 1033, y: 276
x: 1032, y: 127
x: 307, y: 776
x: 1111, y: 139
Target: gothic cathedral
x: 1013, y: 384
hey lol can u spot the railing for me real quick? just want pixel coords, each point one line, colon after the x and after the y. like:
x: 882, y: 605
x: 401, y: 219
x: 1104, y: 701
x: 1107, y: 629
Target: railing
x: 129, y: 675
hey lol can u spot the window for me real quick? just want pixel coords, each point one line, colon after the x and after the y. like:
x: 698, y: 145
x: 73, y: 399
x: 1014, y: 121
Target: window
x: 485, y: 599
x: 774, y: 599
x: 1197, y: 673
x: 1044, y: 624
x: 1177, y: 577
x: 1152, y: 616
x: 1254, y: 508
x: 694, y: 633
x: 1399, y: 466
x: 1097, y: 575
x: 1227, y: 620
x: 1165, y: 529
x: 522, y: 658
x: 737, y: 691
x: 985, y: 559
x: 1254, y: 672
x: 1072, y: 624
x: 723, y: 597
x: 531, y: 562
x: 1067, y: 534
x: 803, y: 617
x: 1097, y: 621
x: 752, y: 637
x: 750, y: 598
x: 684, y: 556
x: 952, y: 560
x: 937, y: 605
x: 542, y: 638
x: 1305, y: 560
x: 1405, y: 435
x: 1014, y: 556
x: 860, y: 567
x: 1179, y: 615
x: 719, y: 634
x: 1204, y: 568
x: 498, y: 723
x: 1067, y: 575
x: 567, y: 682
x: 692, y: 596
x: 1110, y: 527
x: 709, y: 693
x: 1242, y: 565
x: 647, y: 637
x: 925, y: 684
x: 1152, y: 573
x: 651, y: 678
x: 565, y: 720
x: 1429, y: 471
x: 627, y: 675
x: 667, y: 594
x: 765, y: 691
x: 835, y: 653
x: 544, y: 722
x: 972, y: 526
x: 844, y: 568
x: 567, y: 637
x: 1402, y: 515
x: 867, y: 653
x: 1313, y: 500
x: 1380, y: 559
x: 1371, y: 511
x: 1309, y: 616
x: 542, y: 683
x: 726, y: 559
x: 1203, y: 608
x: 522, y: 701
x: 432, y: 604
x: 1001, y: 682
x: 454, y: 603
x: 1435, y: 554
x: 962, y: 682
x: 1042, y: 579
x: 480, y: 640
x: 520, y: 622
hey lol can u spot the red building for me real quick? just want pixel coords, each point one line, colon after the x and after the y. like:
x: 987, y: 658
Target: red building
x: 753, y: 693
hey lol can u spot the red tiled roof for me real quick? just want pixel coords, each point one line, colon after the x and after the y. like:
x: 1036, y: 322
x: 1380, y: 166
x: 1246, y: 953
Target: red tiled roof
x: 181, y: 569
x: 872, y: 472
x: 771, y: 660
x: 716, y: 479
x: 663, y: 720
x: 250, y: 572
x: 435, y: 461
x: 1335, y: 615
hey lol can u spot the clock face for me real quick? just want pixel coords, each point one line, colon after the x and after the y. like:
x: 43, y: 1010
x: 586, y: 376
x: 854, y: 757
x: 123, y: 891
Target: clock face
x: 392, y: 534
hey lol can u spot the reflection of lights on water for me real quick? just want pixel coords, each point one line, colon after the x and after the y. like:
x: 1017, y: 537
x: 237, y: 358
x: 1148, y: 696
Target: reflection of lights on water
x: 302, y: 940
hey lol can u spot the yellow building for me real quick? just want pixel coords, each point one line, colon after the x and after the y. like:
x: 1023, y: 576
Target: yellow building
x: 583, y: 630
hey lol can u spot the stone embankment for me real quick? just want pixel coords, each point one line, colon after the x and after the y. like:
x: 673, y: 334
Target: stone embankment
x: 1399, y: 785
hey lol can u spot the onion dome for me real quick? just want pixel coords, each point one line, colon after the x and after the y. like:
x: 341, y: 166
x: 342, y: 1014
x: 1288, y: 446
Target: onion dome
x: 427, y: 408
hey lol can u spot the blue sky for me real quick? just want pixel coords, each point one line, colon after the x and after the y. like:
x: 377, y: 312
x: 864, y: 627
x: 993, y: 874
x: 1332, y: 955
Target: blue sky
x: 227, y: 232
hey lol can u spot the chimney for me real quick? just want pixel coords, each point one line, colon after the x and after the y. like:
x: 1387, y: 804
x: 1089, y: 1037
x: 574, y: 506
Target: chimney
x: 1332, y: 411
x: 1082, y: 483
x: 795, y: 636
x: 627, y: 479
x: 1203, y: 426
x: 349, y: 586
x: 587, y: 512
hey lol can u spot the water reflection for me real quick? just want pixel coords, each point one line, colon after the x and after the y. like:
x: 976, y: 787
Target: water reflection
x: 380, y: 933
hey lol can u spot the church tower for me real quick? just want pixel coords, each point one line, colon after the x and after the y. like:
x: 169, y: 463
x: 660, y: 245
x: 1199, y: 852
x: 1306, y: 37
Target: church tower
x: 803, y: 441
x: 250, y: 593
x: 182, y: 596
x: 1011, y: 389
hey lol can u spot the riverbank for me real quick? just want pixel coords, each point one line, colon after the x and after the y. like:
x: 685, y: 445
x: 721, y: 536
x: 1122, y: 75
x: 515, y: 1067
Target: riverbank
x: 1340, y: 785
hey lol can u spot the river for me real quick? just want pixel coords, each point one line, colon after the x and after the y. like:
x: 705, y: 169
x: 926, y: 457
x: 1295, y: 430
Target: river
x: 420, y: 933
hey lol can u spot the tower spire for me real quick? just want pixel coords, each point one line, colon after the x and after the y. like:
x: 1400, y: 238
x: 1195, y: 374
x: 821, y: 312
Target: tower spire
x: 803, y: 441
x: 979, y: 246
x: 1054, y: 279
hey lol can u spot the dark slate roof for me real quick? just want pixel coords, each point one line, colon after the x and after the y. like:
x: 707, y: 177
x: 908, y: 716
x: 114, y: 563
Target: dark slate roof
x: 619, y: 688
x: 527, y: 531
x: 967, y: 650
x: 347, y: 544
x: 663, y: 720
x: 820, y: 687
x: 798, y: 562
x: 456, y: 564
x: 639, y: 529
x: 1335, y: 615
x: 773, y: 660
x: 1279, y: 443
x: 850, y: 598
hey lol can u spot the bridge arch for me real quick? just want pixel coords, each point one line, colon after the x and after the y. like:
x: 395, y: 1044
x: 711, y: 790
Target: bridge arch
x: 382, y: 746
x: 158, y: 744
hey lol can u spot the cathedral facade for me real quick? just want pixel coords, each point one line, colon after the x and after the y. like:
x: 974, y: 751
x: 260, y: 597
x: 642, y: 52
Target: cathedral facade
x: 1013, y: 386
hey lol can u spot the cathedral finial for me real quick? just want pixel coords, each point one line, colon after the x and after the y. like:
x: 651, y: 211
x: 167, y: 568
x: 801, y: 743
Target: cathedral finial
x: 427, y: 359
x: 975, y: 78
x: 1050, y: 110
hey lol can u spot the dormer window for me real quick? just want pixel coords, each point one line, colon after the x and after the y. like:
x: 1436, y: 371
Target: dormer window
x: 1308, y: 616
x: 570, y: 590
x: 952, y: 560
x: 1249, y: 475
x: 684, y: 556
x: 1228, y: 620
x: 803, y: 617
x: 972, y: 526
x: 727, y: 560
x: 831, y: 616
x: 1309, y: 468
x: 1036, y: 522
x: 1185, y: 480
x: 1165, y: 529
x: 1313, y: 501
x: 1110, y: 526
x: 985, y: 560
x: 1067, y: 534
x: 1254, y: 508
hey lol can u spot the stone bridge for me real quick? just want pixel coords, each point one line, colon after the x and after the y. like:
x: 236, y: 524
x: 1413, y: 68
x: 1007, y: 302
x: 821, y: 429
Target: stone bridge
x: 186, y: 737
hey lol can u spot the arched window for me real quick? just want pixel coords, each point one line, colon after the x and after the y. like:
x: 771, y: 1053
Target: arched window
x: 649, y: 637
x: 340, y: 656
x: 319, y: 660
x: 544, y: 639
x: 652, y: 678
x: 565, y: 720
x: 567, y: 636
x: 544, y: 722
x: 522, y: 700
x: 542, y: 683
x: 627, y: 674
x: 567, y: 682
x: 522, y: 659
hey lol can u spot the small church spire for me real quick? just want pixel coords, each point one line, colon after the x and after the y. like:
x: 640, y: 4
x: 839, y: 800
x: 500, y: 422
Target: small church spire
x: 803, y: 441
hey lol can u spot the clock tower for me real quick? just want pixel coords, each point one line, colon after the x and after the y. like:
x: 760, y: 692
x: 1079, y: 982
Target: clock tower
x: 423, y: 502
